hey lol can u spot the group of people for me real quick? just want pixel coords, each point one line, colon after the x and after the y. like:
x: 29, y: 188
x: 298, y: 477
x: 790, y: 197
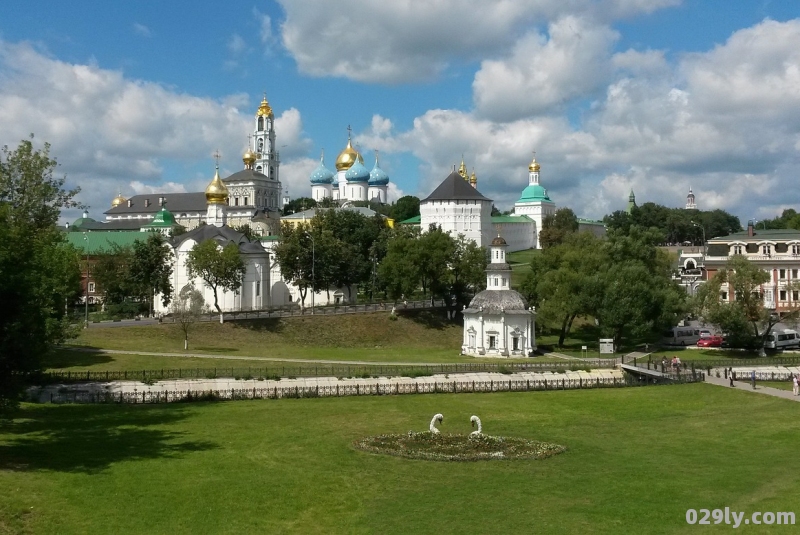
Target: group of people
x: 795, y: 380
x: 675, y: 364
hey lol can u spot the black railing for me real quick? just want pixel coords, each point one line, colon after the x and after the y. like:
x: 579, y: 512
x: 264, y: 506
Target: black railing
x: 319, y: 370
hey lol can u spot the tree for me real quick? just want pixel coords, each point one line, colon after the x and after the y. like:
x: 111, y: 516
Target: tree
x: 744, y: 318
x: 187, y: 308
x: 406, y: 207
x: 467, y: 268
x: 150, y: 269
x: 110, y: 272
x: 299, y: 205
x: 399, y: 270
x: 433, y: 255
x: 219, y: 267
x: 40, y: 273
x: 556, y: 227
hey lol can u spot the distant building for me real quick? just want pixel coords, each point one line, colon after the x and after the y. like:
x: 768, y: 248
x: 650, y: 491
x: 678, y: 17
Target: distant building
x: 690, y: 204
x: 534, y: 202
x: 352, y: 180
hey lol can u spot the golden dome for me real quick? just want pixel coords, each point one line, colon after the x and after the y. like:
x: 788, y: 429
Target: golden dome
x: 116, y: 201
x: 249, y: 158
x: 462, y: 170
x: 216, y: 192
x: 534, y: 166
x: 473, y: 179
x: 264, y: 110
x: 348, y: 157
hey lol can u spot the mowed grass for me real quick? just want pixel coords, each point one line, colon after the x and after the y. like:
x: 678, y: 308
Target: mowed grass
x: 637, y: 459
x: 419, y: 337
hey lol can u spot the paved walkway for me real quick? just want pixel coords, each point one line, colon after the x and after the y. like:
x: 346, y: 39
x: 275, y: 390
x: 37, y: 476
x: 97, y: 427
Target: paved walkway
x: 747, y: 387
x: 555, y: 355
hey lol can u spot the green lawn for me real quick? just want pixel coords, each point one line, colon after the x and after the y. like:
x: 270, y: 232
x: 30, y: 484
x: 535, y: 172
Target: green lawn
x: 637, y: 459
x: 520, y: 262
x: 782, y: 385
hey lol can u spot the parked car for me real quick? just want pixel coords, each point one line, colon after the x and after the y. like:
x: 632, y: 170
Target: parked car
x: 710, y: 341
x: 705, y: 333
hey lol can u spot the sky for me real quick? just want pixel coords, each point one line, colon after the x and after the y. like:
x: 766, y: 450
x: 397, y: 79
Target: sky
x: 658, y: 96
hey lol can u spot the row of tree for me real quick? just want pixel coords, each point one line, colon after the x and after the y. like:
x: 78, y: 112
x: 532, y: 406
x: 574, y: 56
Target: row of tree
x: 677, y: 225
x: 404, y: 208
x: 623, y: 281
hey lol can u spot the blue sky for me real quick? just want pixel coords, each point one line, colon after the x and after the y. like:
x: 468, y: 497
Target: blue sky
x: 654, y: 95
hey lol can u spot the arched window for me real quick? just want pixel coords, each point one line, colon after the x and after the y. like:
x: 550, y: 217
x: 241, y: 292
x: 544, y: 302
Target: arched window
x: 260, y: 124
x: 260, y: 145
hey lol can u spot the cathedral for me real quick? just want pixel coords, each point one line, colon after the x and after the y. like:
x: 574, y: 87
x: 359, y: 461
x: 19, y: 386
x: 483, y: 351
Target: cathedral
x: 352, y: 180
x: 254, y: 192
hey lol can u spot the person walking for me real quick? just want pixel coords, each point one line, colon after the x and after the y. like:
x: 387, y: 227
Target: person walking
x: 753, y: 378
x: 730, y: 375
x: 795, y: 385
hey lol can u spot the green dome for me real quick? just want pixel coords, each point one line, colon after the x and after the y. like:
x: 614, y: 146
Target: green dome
x: 162, y: 219
x: 534, y: 193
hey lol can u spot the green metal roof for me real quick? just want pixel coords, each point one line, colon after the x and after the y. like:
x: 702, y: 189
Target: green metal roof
x: 511, y: 219
x: 782, y: 234
x: 534, y: 193
x: 101, y: 241
x: 162, y: 219
x: 411, y: 221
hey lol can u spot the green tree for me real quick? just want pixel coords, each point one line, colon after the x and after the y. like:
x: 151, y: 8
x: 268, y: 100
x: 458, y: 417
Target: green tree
x: 406, y: 207
x: 433, y: 255
x: 187, y: 308
x: 468, y: 270
x: 294, y: 256
x: 110, y: 271
x: 299, y: 205
x: 556, y: 227
x: 745, y: 318
x: 399, y: 270
x: 40, y: 274
x: 219, y: 267
x: 150, y: 269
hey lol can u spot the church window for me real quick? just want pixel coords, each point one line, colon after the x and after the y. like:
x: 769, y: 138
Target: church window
x: 515, y: 343
x: 258, y: 288
x: 471, y: 340
x: 259, y: 168
x: 245, y: 201
x: 496, y: 281
x: 260, y: 145
x: 492, y: 342
x: 236, y: 201
x: 504, y: 281
x: 272, y: 172
x: 261, y: 123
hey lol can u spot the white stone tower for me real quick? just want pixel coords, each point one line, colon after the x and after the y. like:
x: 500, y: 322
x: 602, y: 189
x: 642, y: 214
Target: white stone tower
x: 267, y: 158
x: 534, y: 201
x: 217, y: 200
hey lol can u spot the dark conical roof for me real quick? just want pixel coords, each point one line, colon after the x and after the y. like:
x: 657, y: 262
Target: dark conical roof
x: 455, y: 188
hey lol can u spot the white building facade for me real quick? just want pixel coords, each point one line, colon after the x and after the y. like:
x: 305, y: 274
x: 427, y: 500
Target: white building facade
x: 458, y: 208
x: 534, y: 202
x: 497, y: 322
x: 352, y: 180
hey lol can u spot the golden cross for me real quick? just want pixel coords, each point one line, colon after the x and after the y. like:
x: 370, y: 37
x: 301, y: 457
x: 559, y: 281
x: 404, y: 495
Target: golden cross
x: 216, y: 156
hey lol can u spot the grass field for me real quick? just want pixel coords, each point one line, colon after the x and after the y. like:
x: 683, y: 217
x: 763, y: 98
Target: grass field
x: 637, y: 459
x: 520, y: 262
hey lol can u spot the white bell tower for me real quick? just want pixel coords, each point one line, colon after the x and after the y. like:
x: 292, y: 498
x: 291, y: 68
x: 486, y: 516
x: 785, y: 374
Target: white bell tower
x: 267, y: 159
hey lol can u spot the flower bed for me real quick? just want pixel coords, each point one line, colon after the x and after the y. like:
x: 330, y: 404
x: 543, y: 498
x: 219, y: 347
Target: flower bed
x: 441, y: 447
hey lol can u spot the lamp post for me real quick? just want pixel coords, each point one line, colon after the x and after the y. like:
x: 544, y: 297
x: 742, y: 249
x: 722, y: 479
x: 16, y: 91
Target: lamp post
x: 86, y: 300
x: 703, y: 229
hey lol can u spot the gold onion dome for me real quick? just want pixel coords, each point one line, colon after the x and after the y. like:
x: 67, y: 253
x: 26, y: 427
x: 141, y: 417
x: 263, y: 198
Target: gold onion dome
x: 462, y: 170
x: 534, y: 166
x: 116, y: 201
x: 264, y: 110
x: 216, y: 192
x: 249, y: 157
x: 473, y: 179
x: 348, y: 157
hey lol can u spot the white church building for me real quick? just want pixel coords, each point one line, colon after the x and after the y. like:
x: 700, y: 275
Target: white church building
x: 497, y: 322
x: 352, y: 180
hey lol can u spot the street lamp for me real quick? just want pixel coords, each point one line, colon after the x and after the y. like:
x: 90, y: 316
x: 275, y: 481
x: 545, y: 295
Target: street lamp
x: 86, y: 301
x: 701, y: 227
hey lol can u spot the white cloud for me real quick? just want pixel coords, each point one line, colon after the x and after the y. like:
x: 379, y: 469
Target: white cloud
x: 140, y: 188
x: 400, y: 42
x: 541, y: 75
x: 236, y: 44
x: 141, y: 29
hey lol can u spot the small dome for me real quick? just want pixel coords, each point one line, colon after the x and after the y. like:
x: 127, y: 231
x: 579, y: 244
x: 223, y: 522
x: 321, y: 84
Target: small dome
x: 533, y: 193
x: 348, y: 157
x: 163, y: 218
x: 249, y: 157
x: 321, y: 175
x: 462, y: 170
x: 116, y: 201
x: 499, y: 241
x: 378, y: 177
x: 473, y: 178
x: 357, y: 173
x: 497, y: 301
x: 534, y: 166
x: 335, y: 183
x: 217, y: 192
x: 264, y: 110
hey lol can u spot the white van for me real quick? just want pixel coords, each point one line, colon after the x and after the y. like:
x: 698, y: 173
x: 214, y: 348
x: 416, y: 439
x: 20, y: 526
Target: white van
x: 681, y: 336
x: 782, y: 339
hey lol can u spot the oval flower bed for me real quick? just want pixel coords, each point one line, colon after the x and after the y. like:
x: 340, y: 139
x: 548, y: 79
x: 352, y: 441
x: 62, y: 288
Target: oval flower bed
x: 442, y: 447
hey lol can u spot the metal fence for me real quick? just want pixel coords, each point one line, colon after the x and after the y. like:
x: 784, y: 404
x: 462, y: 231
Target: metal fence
x: 726, y: 363
x: 366, y: 389
x: 364, y: 371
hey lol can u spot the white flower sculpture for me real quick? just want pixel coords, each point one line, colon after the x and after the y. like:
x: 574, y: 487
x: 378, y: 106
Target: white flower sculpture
x: 475, y: 420
x: 436, y: 418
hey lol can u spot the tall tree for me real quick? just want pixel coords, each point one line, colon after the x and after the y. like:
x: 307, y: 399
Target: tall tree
x: 219, y: 267
x: 406, y: 207
x: 295, y: 257
x: 299, y: 205
x: 399, y: 270
x: 467, y: 268
x: 150, y: 269
x: 40, y: 273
